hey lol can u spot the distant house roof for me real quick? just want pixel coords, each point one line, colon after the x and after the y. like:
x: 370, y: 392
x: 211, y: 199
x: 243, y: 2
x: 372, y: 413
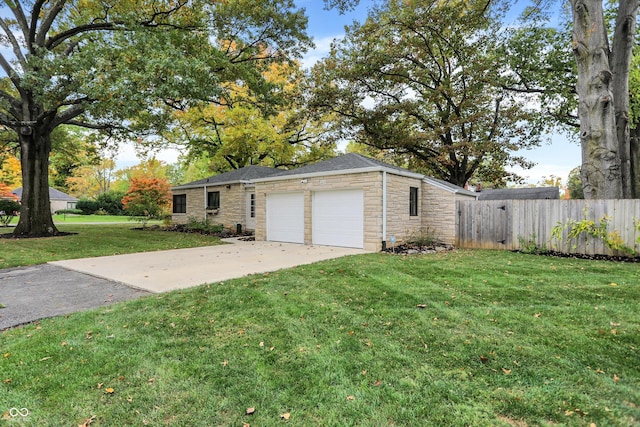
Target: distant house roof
x: 520, y: 193
x: 53, y: 195
x: 245, y: 174
x: 347, y: 163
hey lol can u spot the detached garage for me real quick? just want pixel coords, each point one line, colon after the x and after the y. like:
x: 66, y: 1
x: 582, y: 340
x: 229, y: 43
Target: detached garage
x: 351, y: 201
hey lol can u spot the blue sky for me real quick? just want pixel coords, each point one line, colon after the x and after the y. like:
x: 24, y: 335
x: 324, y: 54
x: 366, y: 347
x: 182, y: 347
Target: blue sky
x: 557, y: 157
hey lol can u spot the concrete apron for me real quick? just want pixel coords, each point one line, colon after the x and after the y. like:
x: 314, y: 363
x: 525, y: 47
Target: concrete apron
x: 163, y: 271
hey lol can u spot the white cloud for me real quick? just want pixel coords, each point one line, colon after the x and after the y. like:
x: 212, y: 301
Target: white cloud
x: 322, y: 49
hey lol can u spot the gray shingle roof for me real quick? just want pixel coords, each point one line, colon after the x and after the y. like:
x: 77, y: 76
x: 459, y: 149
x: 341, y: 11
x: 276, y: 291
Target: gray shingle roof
x: 53, y: 195
x: 247, y: 173
x: 520, y: 193
x: 351, y: 161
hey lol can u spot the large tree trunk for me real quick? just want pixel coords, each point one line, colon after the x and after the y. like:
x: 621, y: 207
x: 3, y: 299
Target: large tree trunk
x: 620, y: 63
x: 601, y: 168
x: 35, y: 214
x: 634, y: 155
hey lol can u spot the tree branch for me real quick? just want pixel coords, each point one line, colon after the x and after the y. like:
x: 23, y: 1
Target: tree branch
x: 14, y: 42
x: 49, y: 17
x: 18, y: 13
x: 35, y: 14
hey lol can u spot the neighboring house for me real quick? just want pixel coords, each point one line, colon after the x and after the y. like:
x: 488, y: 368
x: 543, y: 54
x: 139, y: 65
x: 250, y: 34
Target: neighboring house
x: 520, y: 193
x: 227, y: 199
x: 59, y: 200
x: 351, y: 201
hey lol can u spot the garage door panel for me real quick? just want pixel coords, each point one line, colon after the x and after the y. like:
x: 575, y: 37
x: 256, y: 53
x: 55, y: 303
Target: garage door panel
x: 338, y: 218
x: 285, y: 217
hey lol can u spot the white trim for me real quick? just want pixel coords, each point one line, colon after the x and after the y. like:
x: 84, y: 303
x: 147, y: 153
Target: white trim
x: 205, y: 203
x: 384, y: 206
x: 340, y: 172
x: 211, y: 184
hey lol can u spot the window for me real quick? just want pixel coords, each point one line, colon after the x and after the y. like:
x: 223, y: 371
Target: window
x: 180, y: 203
x: 213, y: 200
x: 413, y: 201
x: 252, y: 205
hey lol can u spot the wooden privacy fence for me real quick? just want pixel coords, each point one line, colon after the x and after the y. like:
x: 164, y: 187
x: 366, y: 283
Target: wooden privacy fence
x: 527, y: 224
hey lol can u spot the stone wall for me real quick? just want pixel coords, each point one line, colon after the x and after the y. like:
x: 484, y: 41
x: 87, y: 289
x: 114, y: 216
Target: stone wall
x: 232, y: 211
x: 440, y: 212
x: 399, y: 223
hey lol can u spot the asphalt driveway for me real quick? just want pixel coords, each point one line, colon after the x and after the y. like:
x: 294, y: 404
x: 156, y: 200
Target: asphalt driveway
x: 36, y: 292
x: 63, y: 287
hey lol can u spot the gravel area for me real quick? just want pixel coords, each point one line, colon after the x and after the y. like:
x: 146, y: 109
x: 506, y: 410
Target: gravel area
x: 41, y: 291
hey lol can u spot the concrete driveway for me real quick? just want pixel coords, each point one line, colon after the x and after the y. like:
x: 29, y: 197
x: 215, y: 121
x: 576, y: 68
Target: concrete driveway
x: 182, y: 268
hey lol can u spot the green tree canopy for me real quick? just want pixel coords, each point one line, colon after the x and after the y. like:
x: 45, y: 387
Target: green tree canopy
x: 426, y: 80
x: 122, y: 67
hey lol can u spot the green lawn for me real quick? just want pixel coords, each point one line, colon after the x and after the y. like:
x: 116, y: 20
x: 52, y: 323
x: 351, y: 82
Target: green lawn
x: 465, y: 338
x: 94, y: 240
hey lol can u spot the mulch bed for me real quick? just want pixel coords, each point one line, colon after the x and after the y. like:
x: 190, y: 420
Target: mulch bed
x: 614, y: 258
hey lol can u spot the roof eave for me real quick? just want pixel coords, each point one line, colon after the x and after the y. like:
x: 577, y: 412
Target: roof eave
x: 461, y: 191
x: 339, y: 172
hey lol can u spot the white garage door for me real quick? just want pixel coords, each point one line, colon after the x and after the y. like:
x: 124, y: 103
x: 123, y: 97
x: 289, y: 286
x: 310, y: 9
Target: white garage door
x: 338, y: 218
x: 285, y: 217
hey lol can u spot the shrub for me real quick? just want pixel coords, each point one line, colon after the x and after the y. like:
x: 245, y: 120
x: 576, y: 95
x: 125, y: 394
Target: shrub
x: 68, y: 212
x: 203, y: 226
x: 88, y: 207
x: 111, y: 202
x: 423, y: 238
x: 147, y: 198
x: 8, y: 209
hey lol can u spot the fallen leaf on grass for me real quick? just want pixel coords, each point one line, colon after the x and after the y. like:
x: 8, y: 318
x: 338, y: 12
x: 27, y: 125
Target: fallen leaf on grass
x: 616, y: 378
x: 351, y: 397
x: 6, y: 355
x: 537, y: 315
x: 285, y: 416
x: 506, y: 371
x: 224, y: 363
x: 250, y: 411
x: 88, y: 422
x: 109, y: 390
x: 246, y: 425
x: 6, y: 416
x: 421, y: 305
x: 45, y: 358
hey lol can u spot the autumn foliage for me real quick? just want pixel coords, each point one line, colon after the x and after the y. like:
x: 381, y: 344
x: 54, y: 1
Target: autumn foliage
x: 147, y: 197
x: 5, y: 192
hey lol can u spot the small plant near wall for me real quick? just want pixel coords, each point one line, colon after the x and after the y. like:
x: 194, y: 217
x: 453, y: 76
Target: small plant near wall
x: 425, y: 237
x: 530, y: 245
x: 594, y: 229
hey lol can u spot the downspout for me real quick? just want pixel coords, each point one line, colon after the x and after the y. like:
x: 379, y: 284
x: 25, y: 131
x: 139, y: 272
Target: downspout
x: 205, y: 203
x: 384, y: 210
